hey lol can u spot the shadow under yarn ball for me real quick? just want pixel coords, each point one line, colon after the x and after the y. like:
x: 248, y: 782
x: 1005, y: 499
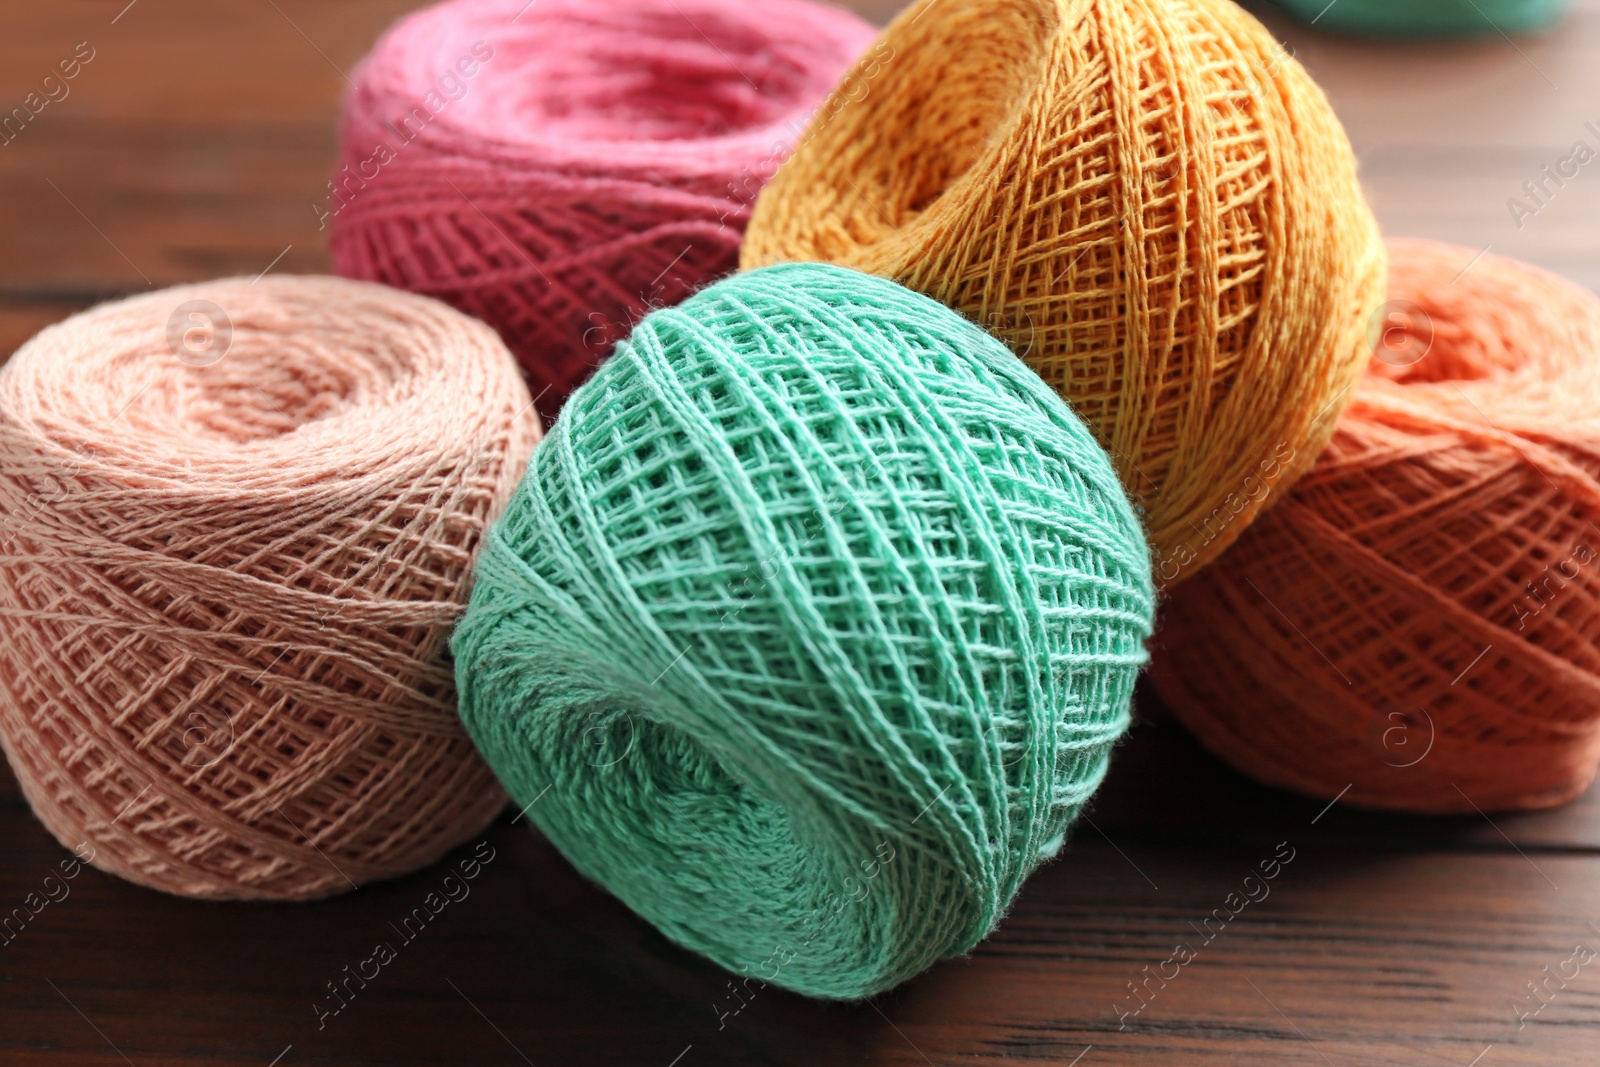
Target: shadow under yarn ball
x: 1416, y: 625
x: 556, y: 169
x: 1149, y: 200
x: 810, y: 629
x: 239, y: 520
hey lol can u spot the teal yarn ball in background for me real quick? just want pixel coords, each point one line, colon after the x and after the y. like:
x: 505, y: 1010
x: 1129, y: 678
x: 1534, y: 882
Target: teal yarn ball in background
x: 1423, y: 19
x: 810, y: 628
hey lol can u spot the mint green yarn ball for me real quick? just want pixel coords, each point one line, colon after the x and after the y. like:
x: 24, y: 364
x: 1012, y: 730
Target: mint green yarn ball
x: 810, y: 628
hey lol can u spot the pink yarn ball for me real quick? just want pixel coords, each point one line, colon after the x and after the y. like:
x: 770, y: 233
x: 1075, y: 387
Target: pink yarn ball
x: 558, y: 168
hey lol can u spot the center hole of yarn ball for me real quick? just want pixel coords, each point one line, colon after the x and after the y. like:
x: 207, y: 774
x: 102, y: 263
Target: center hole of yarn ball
x: 677, y: 827
x: 263, y: 389
x: 668, y: 76
x: 946, y: 122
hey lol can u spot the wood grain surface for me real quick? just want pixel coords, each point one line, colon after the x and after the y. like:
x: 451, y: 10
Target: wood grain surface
x: 196, y: 143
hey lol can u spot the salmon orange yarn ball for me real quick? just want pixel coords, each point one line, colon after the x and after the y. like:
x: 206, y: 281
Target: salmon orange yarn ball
x: 1147, y: 198
x: 237, y: 521
x: 558, y: 168
x: 1418, y: 619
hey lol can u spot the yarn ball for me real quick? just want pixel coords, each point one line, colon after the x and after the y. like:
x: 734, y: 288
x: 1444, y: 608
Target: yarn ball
x: 1413, y: 19
x: 557, y: 169
x: 810, y: 628
x: 238, y: 522
x: 1148, y: 199
x: 1418, y: 620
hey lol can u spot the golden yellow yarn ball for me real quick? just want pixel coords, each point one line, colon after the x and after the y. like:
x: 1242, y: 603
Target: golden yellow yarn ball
x: 1150, y: 200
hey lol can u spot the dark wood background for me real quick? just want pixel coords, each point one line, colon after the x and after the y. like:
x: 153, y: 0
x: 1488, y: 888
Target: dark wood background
x: 195, y: 143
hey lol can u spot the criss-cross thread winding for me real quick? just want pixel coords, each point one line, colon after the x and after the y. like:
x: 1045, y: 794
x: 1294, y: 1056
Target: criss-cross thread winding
x: 1148, y: 199
x: 1419, y: 618
x: 817, y: 615
x: 226, y: 589
x: 599, y: 159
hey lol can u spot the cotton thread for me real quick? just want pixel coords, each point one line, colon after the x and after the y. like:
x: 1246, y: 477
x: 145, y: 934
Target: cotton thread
x: 1417, y: 620
x: 599, y: 160
x: 816, y: 616
x: 1147, y: 199
x: 239, y: 521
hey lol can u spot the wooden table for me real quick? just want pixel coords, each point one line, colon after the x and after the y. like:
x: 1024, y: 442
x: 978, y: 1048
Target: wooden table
x: 195, y: 144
